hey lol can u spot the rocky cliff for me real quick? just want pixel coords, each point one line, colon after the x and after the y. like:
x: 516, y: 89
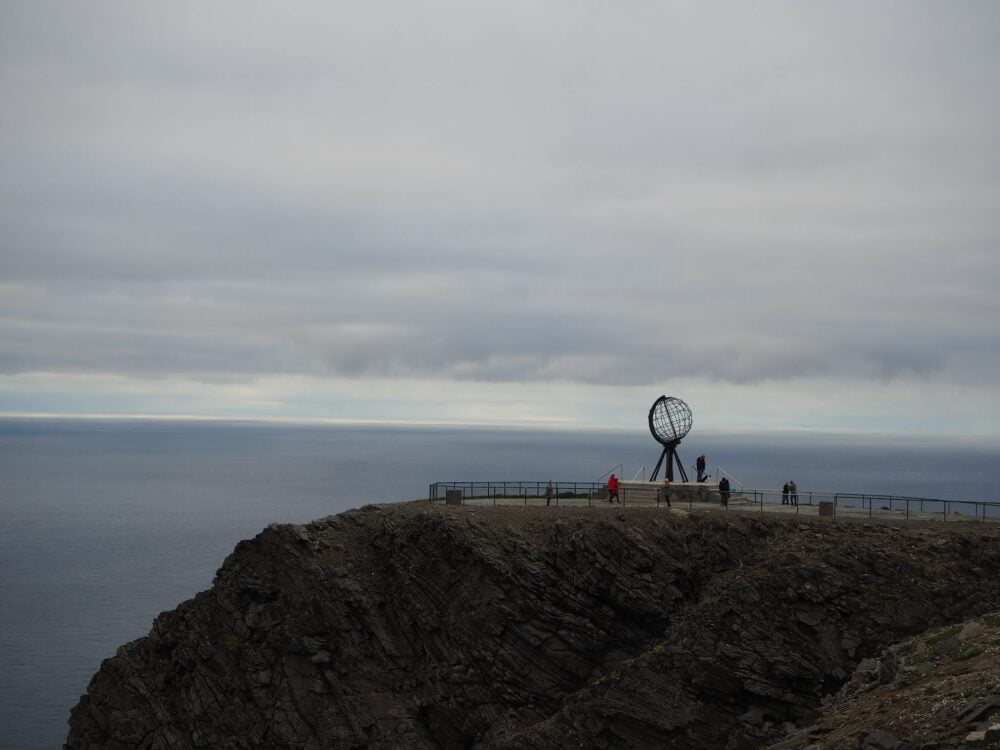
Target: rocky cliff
x: 937, y: 690
x: 450, y: 627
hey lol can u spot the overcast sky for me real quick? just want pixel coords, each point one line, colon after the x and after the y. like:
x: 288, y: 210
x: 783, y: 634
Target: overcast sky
x: 785, y: 213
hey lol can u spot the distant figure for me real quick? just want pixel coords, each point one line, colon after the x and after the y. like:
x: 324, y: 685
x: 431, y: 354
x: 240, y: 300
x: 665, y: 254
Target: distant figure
x: 724, y: 491
x: 793, y: 493
x: 613, y: 489
x: 548, y: 492
x: 700, y: 465
x: 663, y: 493
x: 784, y: 494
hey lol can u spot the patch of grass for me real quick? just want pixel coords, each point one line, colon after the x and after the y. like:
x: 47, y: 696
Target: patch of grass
x: 929, y: 690
x: 937, y: 646
x: 968, y: 653
x: 942, y: 636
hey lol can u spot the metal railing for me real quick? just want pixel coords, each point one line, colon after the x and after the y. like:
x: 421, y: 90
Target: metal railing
x: 908, y: 506
x: 846, y: 503
x: 519, y: 491
x: 617, y: 467
x: 719, y: 470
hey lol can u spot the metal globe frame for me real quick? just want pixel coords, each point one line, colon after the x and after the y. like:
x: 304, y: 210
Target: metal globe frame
x: 670, y: 419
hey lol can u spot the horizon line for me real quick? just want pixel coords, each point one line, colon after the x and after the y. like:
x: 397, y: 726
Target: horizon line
x: 548, y: 425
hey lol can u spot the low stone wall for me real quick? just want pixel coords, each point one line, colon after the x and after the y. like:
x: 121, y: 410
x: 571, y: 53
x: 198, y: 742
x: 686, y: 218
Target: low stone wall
x: 680, y: 492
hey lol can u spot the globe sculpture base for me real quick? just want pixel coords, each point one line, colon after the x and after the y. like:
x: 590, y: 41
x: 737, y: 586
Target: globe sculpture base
x: 670, y: 454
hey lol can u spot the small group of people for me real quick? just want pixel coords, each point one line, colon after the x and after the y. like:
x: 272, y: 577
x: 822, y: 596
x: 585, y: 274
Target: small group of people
x: 662, y: 492
x: 789, y: 493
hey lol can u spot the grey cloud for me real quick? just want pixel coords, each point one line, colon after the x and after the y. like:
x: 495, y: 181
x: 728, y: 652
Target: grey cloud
x: 243, y: 331
x: 500, y: 194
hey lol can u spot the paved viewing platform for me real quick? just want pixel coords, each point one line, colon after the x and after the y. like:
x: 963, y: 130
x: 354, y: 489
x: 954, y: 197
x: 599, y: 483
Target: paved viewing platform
x: 705, y: 496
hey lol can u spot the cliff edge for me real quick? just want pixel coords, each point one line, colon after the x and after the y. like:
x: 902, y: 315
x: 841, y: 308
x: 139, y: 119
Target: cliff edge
x: 424, y: 626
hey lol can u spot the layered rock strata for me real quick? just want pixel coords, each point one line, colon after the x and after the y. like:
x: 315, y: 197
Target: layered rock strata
x: 938, y: 690
x: 425, y: 626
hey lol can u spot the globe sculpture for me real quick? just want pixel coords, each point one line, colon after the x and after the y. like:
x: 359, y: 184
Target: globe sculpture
x: 669, y: 421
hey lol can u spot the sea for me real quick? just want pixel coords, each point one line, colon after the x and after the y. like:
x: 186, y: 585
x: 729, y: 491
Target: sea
x: 106, y: 523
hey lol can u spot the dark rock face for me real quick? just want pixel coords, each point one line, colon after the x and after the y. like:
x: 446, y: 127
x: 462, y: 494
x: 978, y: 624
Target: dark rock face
x: 431, y: 627
x: 939, y: 689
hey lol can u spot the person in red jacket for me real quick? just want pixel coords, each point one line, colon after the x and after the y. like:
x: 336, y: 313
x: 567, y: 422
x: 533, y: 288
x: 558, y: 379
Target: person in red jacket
x: 613, y: 489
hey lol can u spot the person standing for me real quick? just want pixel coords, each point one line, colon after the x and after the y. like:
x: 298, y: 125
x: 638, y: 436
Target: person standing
x: 663, y: 493
x: 793, y: 492
x: 613, y: 489
x: 724, y: 492
x: 700, y: 466
x: 548, y: 492
x: 784, y: 494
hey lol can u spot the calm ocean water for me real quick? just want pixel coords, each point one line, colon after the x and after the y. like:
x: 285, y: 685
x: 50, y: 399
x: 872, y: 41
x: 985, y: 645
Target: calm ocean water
x: 108, y: 523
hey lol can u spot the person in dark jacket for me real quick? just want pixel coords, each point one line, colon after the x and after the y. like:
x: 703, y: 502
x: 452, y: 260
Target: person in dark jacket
x: 784, y: 494
x: 700, y: 466
x: 724, y: 491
